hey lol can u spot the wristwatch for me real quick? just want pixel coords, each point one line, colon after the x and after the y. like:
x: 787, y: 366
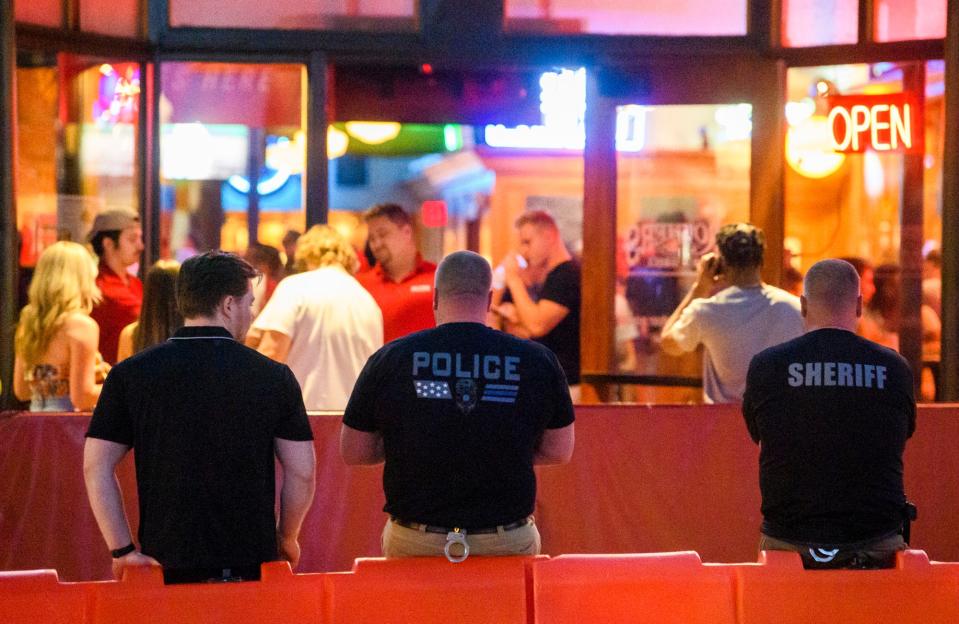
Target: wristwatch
x: 122, y: 552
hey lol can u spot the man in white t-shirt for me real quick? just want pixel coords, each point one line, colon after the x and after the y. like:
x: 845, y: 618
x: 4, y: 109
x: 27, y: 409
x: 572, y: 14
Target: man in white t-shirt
x: 740, y: 320
x: 321, y: 323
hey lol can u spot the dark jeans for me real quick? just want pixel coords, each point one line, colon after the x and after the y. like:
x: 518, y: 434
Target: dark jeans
x: 878, y: 554
x: 211, y: 575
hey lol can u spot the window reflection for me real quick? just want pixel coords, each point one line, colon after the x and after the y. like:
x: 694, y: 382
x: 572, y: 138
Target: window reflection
x: 232, y: 156
x: 77, y: 124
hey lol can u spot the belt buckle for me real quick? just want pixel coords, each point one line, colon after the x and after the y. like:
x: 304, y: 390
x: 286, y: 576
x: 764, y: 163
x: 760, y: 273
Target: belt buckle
x: 456, y: 536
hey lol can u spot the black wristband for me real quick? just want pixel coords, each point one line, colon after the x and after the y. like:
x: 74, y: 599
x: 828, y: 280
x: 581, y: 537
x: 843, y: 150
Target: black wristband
x: 122, y: 552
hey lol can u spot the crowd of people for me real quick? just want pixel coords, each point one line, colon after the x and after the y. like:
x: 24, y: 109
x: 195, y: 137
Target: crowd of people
x: 458, y: 378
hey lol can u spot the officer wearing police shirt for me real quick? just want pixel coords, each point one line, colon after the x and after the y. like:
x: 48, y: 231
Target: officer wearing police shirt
x: 831, y: 412
x: 460, y: 414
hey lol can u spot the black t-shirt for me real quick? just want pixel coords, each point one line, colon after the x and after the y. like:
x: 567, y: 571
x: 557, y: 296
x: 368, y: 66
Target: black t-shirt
x: 201, y: 412
x: 832, y: 412
x: 461, y: 409
x: 563, y: 286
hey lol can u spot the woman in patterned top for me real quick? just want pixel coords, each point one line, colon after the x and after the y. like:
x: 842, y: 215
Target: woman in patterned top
x: 57, y: 364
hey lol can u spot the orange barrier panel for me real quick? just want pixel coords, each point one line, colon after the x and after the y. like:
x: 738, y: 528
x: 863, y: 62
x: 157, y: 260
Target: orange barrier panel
x: 142, y: 598
x: 37, y: 597
x: 779, y: 590
x: 661, y: 588
x: 428, y: 590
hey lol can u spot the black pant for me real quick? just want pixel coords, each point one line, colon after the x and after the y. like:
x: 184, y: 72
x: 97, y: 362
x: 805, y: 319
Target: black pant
x: 211, y: 575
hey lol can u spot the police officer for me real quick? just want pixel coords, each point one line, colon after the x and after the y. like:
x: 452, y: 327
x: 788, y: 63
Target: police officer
x: 832, y: 412
x: 460, y: 414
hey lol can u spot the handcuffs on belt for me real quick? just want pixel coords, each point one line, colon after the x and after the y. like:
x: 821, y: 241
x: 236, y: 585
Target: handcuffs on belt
x: 456, y: 536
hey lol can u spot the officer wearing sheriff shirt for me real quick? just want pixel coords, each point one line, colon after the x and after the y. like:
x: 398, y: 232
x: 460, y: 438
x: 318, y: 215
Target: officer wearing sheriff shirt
x: 831, y: 412
x: 460, y: 414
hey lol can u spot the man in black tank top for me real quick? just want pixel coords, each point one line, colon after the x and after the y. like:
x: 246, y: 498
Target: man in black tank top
x: 832, y: 412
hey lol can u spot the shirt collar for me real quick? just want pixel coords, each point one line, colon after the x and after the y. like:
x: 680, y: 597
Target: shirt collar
x: 421, y: 266
x: 106, y: 270
x: 203, y: 331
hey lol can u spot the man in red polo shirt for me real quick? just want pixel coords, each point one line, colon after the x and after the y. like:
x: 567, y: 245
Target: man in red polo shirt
x: 117, y: 239
x: 401, y: 282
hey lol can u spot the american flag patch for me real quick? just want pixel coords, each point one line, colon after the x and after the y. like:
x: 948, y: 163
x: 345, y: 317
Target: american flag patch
x: 500, y: 393
x: 429, y: 389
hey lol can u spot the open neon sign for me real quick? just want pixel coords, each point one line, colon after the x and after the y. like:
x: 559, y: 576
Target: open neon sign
x: 881, y: 123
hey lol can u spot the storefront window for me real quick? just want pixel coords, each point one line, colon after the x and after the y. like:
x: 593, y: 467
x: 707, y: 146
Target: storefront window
x: 819, y: 22
x: 372, y: 15
x: 232, y: 154
x: 77, y: 123
x: 428, y: 169
x: 42, y: 12
x: 627, y: 17
x: 538, y: 167
x: 120, y: 18
x: 898, y: 20
x: 683, y: 172
x: 850, y: 204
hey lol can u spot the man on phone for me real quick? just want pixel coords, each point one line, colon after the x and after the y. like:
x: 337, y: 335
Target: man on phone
x: 732, y: 313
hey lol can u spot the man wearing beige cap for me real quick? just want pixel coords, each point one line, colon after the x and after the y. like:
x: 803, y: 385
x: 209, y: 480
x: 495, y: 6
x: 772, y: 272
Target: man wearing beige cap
x: 117, y: 239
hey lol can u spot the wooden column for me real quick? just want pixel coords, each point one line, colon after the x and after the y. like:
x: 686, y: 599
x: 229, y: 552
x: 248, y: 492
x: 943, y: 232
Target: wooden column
x: 767, y: 163
x: 949, y: 367
x: 316, y: 110
x: 148, y: 162
x: 598, y: 323
x: 911, y: 236
x: 8, y: 213
x: 254, y: 164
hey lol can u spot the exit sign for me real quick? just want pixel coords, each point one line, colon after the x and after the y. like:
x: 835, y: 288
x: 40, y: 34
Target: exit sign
x: 889, y: 122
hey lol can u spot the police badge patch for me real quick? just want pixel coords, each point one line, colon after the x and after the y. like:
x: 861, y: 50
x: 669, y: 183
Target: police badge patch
x: 466, y: 394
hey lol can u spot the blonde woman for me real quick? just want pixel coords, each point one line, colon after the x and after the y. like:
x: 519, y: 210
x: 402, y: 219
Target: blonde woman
x: 159, y: 317
x: 322, y: 323
x: 57, y: 363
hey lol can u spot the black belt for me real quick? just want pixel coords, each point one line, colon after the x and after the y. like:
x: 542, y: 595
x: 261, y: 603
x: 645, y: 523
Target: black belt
x: 418, y: 526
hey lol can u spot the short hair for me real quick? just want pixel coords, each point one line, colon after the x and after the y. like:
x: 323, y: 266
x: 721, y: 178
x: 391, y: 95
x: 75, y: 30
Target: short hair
x: 266, y: 255
x: 741, y: 245
x: 324, y: 246
x: 463, y: 274
x: 934, y: 258
x: 832, y: 282
x: 291, y: 237
x: 539, y: 218
x: 97, y: 241
x: 791, y: 277
x: 207, y: 278
x: 860, y: 264
x: 393, y: 212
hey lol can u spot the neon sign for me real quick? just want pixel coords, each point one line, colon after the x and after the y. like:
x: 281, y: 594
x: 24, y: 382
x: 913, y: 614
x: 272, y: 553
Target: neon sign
x: 118, y: 94
x: 563, y: 104
x: 882, y: 123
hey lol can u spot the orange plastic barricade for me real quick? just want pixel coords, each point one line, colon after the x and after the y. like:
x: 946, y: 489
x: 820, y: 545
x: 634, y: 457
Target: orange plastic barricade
x: 429, y: 590
x: 37, y: 597
x: 661, y: 588
x: 142, y: 598
x: 779, y: 590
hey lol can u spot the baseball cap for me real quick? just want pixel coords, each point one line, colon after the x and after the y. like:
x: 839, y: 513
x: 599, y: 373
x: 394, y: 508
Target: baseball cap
x: 113, y: 219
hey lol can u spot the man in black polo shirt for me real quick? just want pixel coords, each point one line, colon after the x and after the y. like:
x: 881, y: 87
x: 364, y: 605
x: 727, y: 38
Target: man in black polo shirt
x: 460, y: 413
x: 206, y: 416
x: 832, y: 412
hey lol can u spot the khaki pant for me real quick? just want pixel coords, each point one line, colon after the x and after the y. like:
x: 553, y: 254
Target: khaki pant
x: 400, y: 541
x: 878, y: 554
